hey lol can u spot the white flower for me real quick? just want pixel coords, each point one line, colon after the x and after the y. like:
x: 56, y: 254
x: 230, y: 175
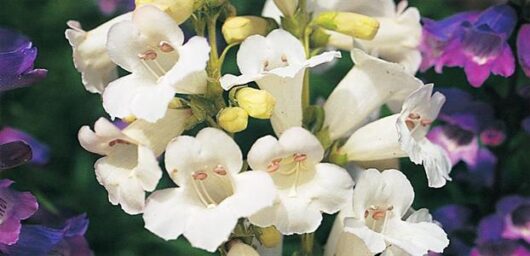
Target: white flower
x: 380, y: 200
x: 90, y: 53
x: 399, y: 32
x: 212, y: 193
x: 306, y: 187
x: 151, y: 48
x: 130, y: 167
x: 277, y: 64
x: 402, y: 135
x: 368, y: 86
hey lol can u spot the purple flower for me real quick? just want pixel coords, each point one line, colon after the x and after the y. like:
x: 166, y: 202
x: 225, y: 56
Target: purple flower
x: 109, y: 7
x: 523, y: 48
x: 39, y: 150
x: 455, y: 219
x: 37, y: 240
x: 14, y: 207
x: 500, y: 248
x: 492, y: 136
x: 17, y: 56
x: 516, y: 212
x: 436, y: 36
x: 13, y: 154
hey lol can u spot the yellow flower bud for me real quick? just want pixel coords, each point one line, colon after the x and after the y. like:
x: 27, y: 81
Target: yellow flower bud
x: 236, y: 29
x: 129, y: 119
x: 287, y: 7
x: 353, y: 24
x: 238, y: 248
x: 269, y: 237
x: 179, y: 10
x: 258, y: 103
x: 233, y: 119
x: 175, y: 103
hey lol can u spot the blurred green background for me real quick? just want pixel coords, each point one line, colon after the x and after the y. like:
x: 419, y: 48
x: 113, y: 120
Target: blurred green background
x: 54, y: 110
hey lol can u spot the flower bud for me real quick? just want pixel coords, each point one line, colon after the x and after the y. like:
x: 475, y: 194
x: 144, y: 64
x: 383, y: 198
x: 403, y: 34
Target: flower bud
x: 238, y: 248
x: 269, y: 237
x: 287, y: 7
x: 236, y: 29
x: 233, y: 119
x: 353, y: 24
x: 179, y: 10
x: 258, y: 103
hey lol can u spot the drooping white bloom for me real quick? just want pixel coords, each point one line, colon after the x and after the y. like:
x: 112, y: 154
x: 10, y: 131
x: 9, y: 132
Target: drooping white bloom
x: 277, y: 63
x: 380, y: 200
x: 212, y: 193
x: 151, y: 48
x: 90, y: 53
x: 399, y: 32
x: 402, y: 135
x: 306, y: 187
x: 129, y: 166
x: 369, y: 85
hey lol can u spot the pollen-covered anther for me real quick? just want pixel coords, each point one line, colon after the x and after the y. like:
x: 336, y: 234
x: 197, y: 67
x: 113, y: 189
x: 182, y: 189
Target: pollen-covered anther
x: 274, y: 165
x: 199, y: 175
x: 118, y: 141
x: 425, y: 122
x: 148, y: 55
x: 220, y: 170
x: 166, y: 47
x: 284, y: 59
x: 299, y: 157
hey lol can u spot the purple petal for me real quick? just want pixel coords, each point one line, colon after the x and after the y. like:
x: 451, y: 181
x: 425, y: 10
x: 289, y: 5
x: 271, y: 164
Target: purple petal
x: 492, y: 136
x: 41, y: 240
x: 453, y: 217
x: 500, y: 248
x: 509, y: 203
x: 523, y: 48
x: 13, y: 154
x: 108, y: 7
x: 482, y: 173
x: 459, y: 144
x: 40, y: 150
x: 490, y: 228
x: 14, y: 207
x: 17, y: 56
x: 500, y: 19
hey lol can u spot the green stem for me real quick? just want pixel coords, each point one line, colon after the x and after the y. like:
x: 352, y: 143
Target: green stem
x: 214, y: 55
x: 307, y: 243
x: 306, y: 89
x: 224, y: 53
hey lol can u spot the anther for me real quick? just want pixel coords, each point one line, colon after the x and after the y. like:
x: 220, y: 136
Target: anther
x: 118, y: 141
x: 414, y: 116
x: 274, y: 165
x: 410, y: 124
x: 299, y: 157
x: 148, y: 55
x: 284, y: 58
x: 220, y: 170
x: 199, y: 176
x: 166, y: 47
x: 378, y: 215
x: 425, y: 122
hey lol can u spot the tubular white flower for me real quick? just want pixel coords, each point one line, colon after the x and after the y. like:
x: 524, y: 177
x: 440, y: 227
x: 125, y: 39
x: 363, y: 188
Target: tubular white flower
x: 90, y: 53
x: 380, y: 200
x: 399, y: 32
x: 277, y: 64
x: 378, y: 140
x: 368, y: 86
x: 212, y: 193
x: 151, y: 48
x: 306, y: 187
x: 130, y: 167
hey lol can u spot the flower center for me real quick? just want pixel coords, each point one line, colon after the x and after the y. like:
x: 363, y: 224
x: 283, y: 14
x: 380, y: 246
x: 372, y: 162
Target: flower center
x: 158, y: 60
x: 289, y: 172
x: 415, y: 120
x: 376, y: 217
x: 271, y: 64
x: 212, y: 186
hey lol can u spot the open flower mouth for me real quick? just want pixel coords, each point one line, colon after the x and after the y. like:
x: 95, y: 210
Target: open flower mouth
x: 291, y: 171
x: 376, y: 217
x: 159, y: 60
x: 212, y: 186
x: 271, y: 64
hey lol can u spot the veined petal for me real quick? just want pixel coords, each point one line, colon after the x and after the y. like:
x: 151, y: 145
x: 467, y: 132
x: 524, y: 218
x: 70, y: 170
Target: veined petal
x: 157, y: 25
x: 124, y: 42
x: 90, y: 53
x: 97, y: 141
x: 300, y: 140
x: 262, y: 151
x: 369, y: 85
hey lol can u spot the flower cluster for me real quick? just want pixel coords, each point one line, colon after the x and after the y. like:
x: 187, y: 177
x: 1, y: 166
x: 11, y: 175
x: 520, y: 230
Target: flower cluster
x: 175, y: 102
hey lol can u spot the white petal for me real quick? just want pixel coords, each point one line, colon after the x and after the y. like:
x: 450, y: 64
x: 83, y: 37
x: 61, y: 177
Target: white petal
x: 157, y: 135
x: 374, y: 241
x: 376, y: 8
x: 147, y: 172
x: 323, y: 58
x: 284, y: 43
x: 254, y: 191
x: 90, y: 53
x: 436, y: 163
x: 252, y: 54
x: 416, y: 238
x: 97, y: 141
x: 167, y: 212
x: 300, y: 140
x: 288, y: 95
x: 369, y: 85
x: 157, y: 25
x: 271, y: 10
x: 351, y: 245
x: 228, y: 81
x: 263, y: 151
x: 193, y: 57
x: 125, y: 41
x: 377, y: 140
